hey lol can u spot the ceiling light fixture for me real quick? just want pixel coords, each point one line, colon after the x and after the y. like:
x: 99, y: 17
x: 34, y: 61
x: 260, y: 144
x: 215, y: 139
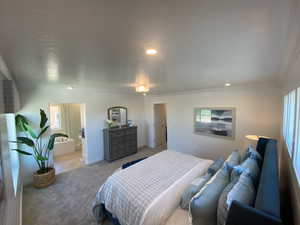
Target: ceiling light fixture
x: 227, y: 84
x: 151, y: 51
x: 141, y: 89
x: 70, y: 88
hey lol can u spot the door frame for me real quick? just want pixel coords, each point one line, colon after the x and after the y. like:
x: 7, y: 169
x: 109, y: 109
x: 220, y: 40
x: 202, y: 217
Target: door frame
x: 153, y: 123
x: 83, y: 123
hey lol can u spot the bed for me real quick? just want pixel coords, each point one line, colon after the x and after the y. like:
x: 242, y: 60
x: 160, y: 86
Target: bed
x: 148, y: 192
x: 169, y: 173
x: 266, y: 210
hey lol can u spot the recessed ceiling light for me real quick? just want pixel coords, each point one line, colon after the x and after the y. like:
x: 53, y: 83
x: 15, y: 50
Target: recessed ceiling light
x: 70, y: 88
x: 151, y: 51
x: 227, y: 84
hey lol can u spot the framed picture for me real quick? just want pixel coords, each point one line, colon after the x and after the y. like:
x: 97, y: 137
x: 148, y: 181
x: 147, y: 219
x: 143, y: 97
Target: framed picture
x: 217, y: 122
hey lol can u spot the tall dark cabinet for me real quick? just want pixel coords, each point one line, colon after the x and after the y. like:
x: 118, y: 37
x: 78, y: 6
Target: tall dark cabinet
x: 119, y: 142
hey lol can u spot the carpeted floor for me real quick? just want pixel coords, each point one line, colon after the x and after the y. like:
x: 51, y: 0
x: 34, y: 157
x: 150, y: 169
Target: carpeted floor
x: 69, y: 200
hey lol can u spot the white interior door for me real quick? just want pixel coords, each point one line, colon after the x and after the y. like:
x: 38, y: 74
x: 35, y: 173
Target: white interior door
x: 160, y: 125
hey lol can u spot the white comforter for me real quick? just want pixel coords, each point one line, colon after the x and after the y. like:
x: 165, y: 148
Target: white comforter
x: 148, y: 192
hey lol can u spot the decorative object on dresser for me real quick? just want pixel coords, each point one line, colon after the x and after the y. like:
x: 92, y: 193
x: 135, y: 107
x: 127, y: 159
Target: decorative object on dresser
x: 119, y: 142
x: 117, y: 115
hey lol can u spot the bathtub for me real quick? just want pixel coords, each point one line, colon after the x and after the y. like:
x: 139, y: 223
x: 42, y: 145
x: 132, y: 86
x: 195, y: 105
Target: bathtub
x: 64, y: 146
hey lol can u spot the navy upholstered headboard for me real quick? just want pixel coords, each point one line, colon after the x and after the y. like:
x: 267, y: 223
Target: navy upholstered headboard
x: 266, y: 210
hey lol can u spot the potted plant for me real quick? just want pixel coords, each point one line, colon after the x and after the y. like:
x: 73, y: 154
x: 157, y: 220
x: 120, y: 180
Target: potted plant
x: 41, y: 145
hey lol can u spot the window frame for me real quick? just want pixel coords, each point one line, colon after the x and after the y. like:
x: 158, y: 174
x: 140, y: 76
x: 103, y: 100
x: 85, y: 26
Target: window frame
x: 285, y: 116
x: 289, y: 126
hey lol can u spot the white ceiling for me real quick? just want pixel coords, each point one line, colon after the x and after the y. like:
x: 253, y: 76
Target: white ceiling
x: 101, y: 43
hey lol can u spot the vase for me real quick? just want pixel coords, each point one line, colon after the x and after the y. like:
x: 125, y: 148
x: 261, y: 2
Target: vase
x: 43, y: 180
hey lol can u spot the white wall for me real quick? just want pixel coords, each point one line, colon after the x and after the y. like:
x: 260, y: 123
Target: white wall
x: 96, y: 104
x: 258, y: 111
x: 290, y: 77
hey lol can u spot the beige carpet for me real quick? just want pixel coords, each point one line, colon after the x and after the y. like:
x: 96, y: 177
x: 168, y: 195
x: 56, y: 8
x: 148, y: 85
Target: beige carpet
x: 69, y: 200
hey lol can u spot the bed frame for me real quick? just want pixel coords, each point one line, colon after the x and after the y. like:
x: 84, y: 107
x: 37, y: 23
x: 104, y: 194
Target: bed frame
x: 266, y: 210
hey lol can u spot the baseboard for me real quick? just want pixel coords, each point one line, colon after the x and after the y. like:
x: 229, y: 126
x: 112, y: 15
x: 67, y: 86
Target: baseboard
x: 142, y: 147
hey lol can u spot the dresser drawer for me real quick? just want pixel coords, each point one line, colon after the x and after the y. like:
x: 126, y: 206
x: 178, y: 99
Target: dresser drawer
x: 131, y: 131
x: 116, y: 133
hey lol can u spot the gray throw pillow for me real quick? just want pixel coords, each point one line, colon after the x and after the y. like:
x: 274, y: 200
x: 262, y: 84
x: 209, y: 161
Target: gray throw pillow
x: 193, y: 189
x: 234, y: 158
x: 241, y: 190
x: 217, y: 164
x: 251, y: 165
x: 222, y: 205
x: 203, y: 206
x: 251, y: 152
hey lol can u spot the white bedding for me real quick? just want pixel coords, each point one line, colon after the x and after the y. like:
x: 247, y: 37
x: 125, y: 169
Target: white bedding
x: 179, y: 217
x: 149, y: 192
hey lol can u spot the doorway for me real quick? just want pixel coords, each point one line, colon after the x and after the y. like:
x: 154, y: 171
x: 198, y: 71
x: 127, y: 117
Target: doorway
x: 160, y: 126
x: 68, y: 118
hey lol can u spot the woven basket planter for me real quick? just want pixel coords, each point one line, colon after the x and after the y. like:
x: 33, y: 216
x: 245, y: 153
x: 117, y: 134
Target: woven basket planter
x: 45, y: 179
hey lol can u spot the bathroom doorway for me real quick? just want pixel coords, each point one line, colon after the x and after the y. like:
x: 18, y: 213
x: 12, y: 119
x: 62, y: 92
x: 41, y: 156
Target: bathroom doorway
x: 68, y: 118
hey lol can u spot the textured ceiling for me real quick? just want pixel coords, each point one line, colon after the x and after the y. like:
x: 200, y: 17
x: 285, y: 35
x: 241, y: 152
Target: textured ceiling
x: 101, y: 44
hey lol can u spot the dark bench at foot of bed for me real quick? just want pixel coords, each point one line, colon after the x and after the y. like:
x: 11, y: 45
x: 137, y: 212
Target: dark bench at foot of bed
x: 267, y: 204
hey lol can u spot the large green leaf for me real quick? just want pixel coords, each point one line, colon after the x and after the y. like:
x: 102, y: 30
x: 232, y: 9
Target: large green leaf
x: 52, y: 139
x: 22, y: 152
x: 26, y: 141
x: 41, y: 158
x: 30, y: 130
x: 44, y: 118
x: 20, y: 122
x: 43, y: 131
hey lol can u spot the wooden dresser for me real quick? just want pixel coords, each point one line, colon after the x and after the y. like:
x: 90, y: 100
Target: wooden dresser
x: 119, y: 142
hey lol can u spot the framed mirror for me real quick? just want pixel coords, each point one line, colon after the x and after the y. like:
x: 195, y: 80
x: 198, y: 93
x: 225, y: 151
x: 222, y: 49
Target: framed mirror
x: 118, y: 114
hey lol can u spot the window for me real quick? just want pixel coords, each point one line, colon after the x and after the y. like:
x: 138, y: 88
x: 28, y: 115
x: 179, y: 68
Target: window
x: 297, y: 135
x: 291, y: 126
x: 11, y: 133
x: 290, y: 122
x: 55, y: 117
